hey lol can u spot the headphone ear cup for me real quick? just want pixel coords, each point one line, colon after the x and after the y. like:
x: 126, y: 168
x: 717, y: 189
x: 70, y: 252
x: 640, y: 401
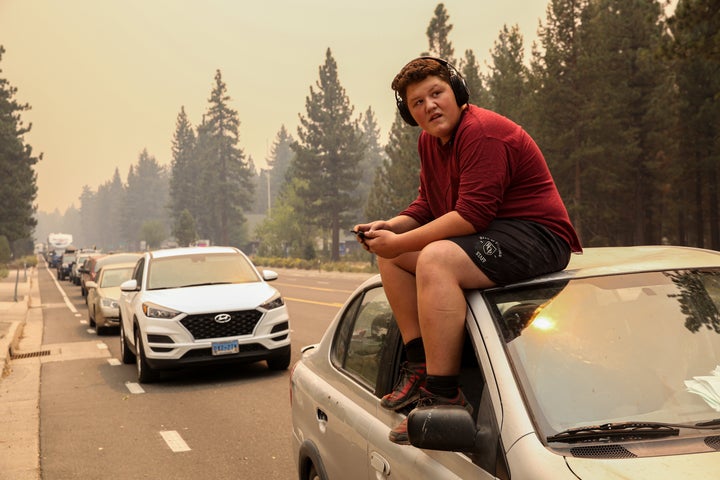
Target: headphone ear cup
x: 459, y: 88
x: 405, y: 113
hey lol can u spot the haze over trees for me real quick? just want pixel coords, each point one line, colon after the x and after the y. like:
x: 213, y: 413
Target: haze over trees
x: 623, y: 102
x: 18, y: 187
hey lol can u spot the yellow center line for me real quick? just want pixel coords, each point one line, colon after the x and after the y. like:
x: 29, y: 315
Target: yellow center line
x: 320, y: 289
x: 302, y: 300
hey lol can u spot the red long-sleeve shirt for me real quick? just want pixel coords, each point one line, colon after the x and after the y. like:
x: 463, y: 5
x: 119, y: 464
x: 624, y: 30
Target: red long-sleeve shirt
x: 491, y: 169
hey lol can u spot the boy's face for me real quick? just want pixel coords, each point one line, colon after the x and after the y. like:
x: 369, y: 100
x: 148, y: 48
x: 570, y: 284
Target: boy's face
x: 433, y: 106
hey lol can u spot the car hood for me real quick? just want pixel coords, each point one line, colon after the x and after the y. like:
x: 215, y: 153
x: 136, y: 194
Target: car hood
x: 109, y: 292
x: 212, y: 298
x: 672, y: 467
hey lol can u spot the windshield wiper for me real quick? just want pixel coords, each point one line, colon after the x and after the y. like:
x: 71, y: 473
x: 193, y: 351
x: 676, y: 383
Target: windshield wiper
x: 710, y: 423
x: 204, y: 284
x: 616, y: 431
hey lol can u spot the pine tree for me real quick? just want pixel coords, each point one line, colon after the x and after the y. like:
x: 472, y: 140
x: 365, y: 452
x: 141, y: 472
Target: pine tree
x: 508, y: 78
x: 89, y: 216
x: 397, y: 180
x: 619, y: 79
x: 146, y: 196
x: 116, y: 194
x: 374, y: 158
x: 328, y: 154
x: 281, y: 155
x: 695, y: 54
x: 438, y: 32
x: 227, y: 176
x: 272, y: 179
x: 184, y: 169
x: 470, y: 70
x: 558, y: 100
x: 18, y: 187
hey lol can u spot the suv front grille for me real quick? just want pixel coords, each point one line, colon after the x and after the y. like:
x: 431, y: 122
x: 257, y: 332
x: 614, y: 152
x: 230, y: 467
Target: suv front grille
x: 204, y: 325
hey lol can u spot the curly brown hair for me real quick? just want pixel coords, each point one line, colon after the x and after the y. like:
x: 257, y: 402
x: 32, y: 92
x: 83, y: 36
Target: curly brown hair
x: 417, y: 71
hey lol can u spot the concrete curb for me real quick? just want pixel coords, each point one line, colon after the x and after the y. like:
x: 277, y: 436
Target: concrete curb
x: 20, y: 385
x: 8, y: 343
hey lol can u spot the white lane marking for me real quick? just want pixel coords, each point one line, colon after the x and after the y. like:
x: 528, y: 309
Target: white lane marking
x: 78, y: 314
x: 113, y: 361
x: 134, y: 387
x: 83, y: 322
x: 174, y: 441
x: 102, y: 346
x: 90, y: 330
x: 62, y: 292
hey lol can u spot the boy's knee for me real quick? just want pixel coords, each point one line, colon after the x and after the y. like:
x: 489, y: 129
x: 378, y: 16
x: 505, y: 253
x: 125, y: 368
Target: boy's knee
x: 436, y: 253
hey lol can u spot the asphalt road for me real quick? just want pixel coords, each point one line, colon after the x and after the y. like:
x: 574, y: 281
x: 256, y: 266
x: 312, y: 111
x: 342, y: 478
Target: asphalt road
x: 231, y: 422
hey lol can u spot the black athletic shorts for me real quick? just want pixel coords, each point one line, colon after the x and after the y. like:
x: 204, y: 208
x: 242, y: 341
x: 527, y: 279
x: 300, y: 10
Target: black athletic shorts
x: 511, y: 250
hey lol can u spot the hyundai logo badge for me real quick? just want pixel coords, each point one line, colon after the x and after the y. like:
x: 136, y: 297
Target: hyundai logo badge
x: 223, y: 317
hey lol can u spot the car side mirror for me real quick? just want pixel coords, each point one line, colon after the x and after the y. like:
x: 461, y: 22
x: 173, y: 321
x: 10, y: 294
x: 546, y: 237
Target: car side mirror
x: 269, y: 275
x: 129, y: 286
x: 448, y: 428
x: 89, y: 285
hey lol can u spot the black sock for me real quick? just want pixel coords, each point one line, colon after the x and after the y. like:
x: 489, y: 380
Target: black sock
x: 443, y: 385
x: 415, y: 350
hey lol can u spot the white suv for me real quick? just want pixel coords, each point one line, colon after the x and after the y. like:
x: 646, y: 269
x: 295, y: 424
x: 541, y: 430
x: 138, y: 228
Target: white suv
x: 197, y: 306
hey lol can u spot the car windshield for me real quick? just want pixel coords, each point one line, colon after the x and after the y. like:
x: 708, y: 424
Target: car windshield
x: 636, y: 347
x: 114, y: 277
x: 200, y: 269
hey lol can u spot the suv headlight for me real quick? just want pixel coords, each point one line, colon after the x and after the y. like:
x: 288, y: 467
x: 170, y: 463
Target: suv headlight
x: 156, y: 311
x: 276, y: 301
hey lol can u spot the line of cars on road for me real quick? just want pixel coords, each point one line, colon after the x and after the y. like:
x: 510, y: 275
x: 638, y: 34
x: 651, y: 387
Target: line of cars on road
x: 184, y: 307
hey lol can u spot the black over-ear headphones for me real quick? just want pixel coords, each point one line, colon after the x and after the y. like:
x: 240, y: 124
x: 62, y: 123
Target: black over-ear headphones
x: 457, y: 83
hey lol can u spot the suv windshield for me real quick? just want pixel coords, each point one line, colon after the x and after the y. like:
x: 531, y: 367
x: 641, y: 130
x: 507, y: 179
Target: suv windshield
x: 617, y: 348
x: 199, y: 269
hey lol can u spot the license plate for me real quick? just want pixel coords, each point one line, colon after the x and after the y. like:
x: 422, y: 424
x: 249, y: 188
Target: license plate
x: 225, y: 348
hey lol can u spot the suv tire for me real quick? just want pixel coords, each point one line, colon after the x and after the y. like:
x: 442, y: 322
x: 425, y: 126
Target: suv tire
x: 145, y: 372
x: 126, y: 354
x: 280, y: 362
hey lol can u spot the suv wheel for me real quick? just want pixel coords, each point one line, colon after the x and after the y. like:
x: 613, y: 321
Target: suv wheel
x: 145, y: 373
x: 126, y: 354
x: 281, y: 362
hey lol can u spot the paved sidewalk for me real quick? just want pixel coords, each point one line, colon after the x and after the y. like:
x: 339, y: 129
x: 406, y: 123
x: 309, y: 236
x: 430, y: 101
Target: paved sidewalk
x: 20, y: 331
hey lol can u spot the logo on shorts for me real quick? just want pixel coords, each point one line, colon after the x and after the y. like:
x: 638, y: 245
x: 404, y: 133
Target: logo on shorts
x: 487, y: 248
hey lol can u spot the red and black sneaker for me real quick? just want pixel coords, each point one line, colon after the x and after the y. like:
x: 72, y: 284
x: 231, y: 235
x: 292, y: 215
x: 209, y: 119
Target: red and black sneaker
x: 399, y: 434
x: 407, y: 389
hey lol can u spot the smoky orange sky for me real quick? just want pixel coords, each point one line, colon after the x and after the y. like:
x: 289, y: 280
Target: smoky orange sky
x: 107, y: 79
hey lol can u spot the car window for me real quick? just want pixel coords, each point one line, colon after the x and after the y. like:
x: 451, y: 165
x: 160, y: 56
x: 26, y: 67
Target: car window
x: 138, y: 272
x: 115, y: 276
x: 200, y: 269
x: 361, y: 336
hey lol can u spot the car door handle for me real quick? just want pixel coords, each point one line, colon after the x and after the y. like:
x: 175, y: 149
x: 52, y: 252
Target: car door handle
x: 379, y: 464
x: 322, y: 420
